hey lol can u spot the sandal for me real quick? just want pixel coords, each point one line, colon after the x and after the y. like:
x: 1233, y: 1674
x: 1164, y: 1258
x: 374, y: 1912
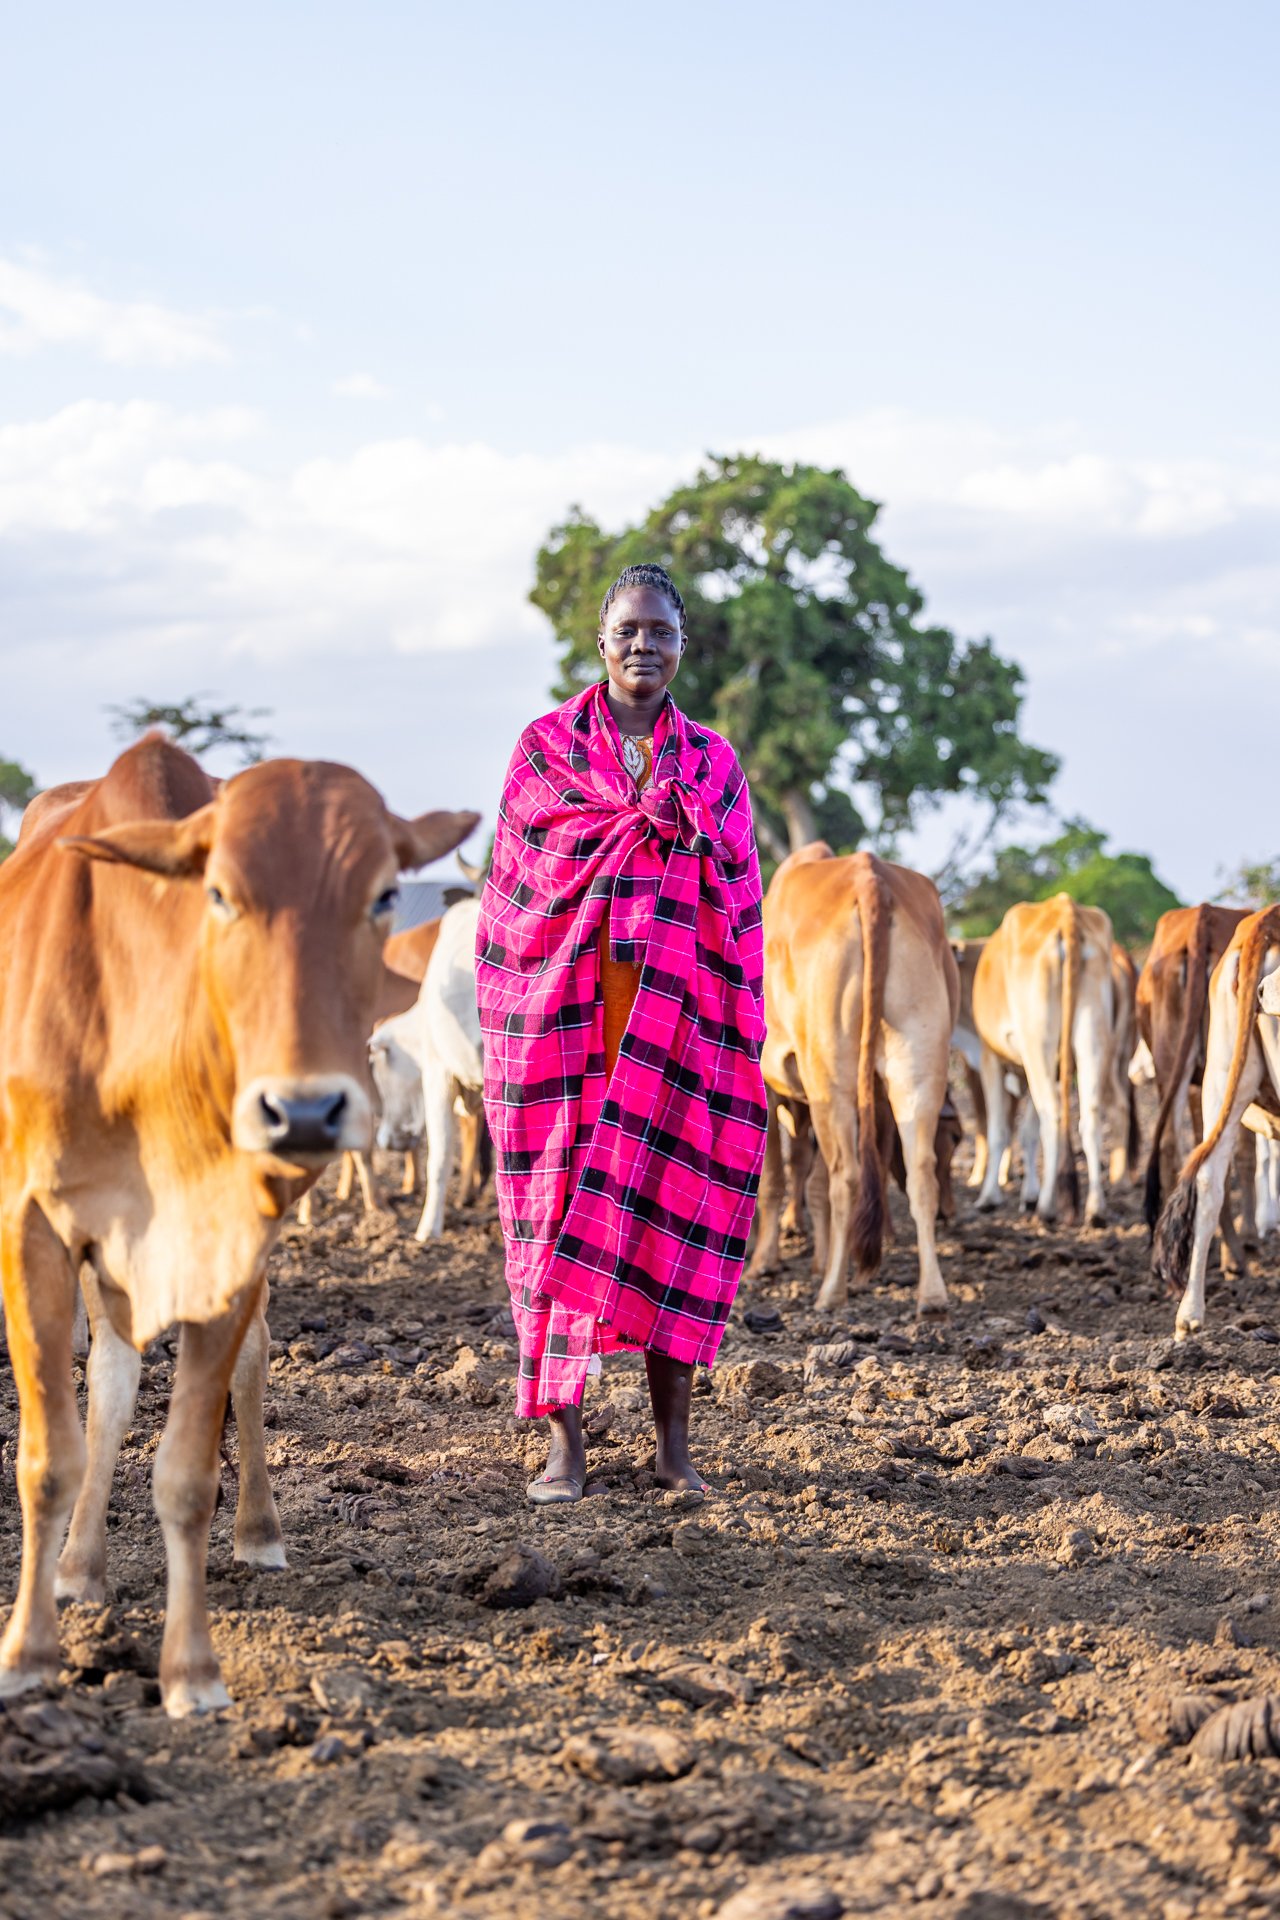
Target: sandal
x: 561, y: 1490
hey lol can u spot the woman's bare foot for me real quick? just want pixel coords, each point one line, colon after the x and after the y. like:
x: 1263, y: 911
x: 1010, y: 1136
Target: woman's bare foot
x: 563, y: 1478
x: 670, y: 1389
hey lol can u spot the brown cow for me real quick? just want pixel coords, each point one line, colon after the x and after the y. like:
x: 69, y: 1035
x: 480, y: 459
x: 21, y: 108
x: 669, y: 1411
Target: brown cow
x: 186, y: 988
x: 1173, y: 1019
x: 1242, y: 1067
x: 859, y: 983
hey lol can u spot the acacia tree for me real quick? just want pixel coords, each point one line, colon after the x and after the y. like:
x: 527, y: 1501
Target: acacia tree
x: 809, y: 650
x: 17, y: 787
x: 1125, y: 885
x: 196, y: 725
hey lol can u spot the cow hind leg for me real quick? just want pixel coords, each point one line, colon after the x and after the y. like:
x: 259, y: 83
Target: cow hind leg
x: 40, y: 1300
x: 769, y: 1202
x: 185, y: 1489
x: 838, y: 1145
x: 409, y: 1178
x: 1090, y: 1041
x: 1029, y: 1152
x: 1042, y: 1087
x: 997, y: 1105
x: 916, y: 1100
x: 112, y: 1377
x: 259, y: 1540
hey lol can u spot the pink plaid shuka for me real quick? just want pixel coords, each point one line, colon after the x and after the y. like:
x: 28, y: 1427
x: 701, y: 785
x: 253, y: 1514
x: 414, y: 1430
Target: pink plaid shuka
x: 625, y: 1206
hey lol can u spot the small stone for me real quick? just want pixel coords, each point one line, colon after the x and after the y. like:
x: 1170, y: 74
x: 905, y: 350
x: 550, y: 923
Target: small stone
x: 544, y: 1843
x: 1075, y: 1548
x: 519, y: 1579
x: 783, y: 1900
x: 1068, y: 1421
x: 106, y: 1866
x: 1228, y: 1634
x: 762, y: 1320
x: 1036, y: 1323
x: 755, y: 1380
x: 624, y: 1756
x: 328, y: 1750
x: 689, y: 1539
x: 343, y: 1690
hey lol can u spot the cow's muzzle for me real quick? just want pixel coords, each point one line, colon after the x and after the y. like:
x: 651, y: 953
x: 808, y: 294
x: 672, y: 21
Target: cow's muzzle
x: 308, y: 1119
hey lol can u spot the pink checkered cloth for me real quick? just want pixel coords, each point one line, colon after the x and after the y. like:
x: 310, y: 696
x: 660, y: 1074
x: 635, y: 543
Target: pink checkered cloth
x: 625, y: 1207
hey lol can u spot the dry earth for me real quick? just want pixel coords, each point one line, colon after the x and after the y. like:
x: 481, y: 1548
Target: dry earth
x: 914, y: 1656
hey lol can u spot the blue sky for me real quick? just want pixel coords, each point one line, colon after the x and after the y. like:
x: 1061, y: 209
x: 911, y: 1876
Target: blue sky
x: 312, y: 320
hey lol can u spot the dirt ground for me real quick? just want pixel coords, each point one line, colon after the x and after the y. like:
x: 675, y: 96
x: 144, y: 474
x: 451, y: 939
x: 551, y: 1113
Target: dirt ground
x: 914, y: 1656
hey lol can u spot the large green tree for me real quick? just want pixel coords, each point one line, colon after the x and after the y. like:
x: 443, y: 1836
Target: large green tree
x: 1074, y: 862
x: 809, y: 650
x: 16, y: 787
x: 1254, y: 884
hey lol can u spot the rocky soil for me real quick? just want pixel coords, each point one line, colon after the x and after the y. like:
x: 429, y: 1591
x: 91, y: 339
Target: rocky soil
x: 916, y: 1655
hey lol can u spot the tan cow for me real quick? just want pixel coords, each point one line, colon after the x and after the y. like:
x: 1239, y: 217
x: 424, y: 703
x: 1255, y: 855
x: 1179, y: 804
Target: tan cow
x: 1241, y: 1083
x: 859, y: 982
x: 1043, y: 1003
x: 186, y: 988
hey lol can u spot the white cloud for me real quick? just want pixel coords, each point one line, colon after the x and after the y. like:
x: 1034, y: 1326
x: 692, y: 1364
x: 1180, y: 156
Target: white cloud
x: 360, y: 386
x: 147, y: 549
x: 39, y: 309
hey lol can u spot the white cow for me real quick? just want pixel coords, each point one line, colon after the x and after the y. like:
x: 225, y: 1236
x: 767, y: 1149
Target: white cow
x: 429, y: 1060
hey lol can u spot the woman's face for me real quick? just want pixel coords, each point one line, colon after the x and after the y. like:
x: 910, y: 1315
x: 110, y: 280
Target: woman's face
x: 641, y: 643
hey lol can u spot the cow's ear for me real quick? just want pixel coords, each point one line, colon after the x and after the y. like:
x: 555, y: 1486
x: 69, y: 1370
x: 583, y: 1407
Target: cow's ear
x: 176, y: 849
x: 430, y: 836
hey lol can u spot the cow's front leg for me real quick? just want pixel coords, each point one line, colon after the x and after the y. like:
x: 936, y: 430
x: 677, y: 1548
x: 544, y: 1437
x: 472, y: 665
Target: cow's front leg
x: 185, y: 1488
x: 437, y: 1105
x: 112, y: 1381
x: 259, y: 1537
x: 1091, y: 1044
x: 39, y: 1301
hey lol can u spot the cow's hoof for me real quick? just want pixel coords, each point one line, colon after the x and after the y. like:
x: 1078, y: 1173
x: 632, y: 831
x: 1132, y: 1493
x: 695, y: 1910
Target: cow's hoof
x: 89, y: 1589
x: 30, y: 1677
x: 984, y: 1204
x: 268, y: 1556
x: 1097, y: 1219
x: 182, y: 1698
x: 1186, y: 1329
x: 934, y: 1314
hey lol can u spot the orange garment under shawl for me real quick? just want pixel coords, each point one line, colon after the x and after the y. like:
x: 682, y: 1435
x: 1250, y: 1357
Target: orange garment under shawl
x: 620, y: 979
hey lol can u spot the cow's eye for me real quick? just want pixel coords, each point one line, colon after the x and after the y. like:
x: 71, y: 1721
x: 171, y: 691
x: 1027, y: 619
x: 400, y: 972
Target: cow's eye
x: 386, y: 903
x: 219, y: 902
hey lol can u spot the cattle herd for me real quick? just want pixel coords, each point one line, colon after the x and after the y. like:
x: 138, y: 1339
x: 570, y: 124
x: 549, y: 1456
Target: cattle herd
x: 200, y: 1009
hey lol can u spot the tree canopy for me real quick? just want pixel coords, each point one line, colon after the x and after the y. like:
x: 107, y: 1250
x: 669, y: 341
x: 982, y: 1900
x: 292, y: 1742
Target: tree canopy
x: 807, y: 648
x: 195, y: 724
x: 17, y: 786
x: 1254, y: 884
x: 1123, y: 884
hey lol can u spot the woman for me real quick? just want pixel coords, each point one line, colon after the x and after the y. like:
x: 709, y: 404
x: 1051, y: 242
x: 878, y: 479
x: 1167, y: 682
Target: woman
x: 619, y: 970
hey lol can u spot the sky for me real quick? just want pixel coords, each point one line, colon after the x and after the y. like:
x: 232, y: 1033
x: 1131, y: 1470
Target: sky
x: 315, y: 319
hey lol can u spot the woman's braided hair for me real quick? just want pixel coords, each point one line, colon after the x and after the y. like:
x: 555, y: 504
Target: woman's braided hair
x: 648, y: 574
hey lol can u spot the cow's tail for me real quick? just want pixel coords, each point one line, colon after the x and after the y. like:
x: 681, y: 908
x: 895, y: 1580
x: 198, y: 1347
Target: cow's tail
x: 1194, y: 1000
x: 1171, y: 1253
x: 875, y: 913
x: 1069, y: 934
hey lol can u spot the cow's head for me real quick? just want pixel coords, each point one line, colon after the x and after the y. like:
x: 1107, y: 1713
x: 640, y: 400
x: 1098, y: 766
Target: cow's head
x: 298, y: 863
